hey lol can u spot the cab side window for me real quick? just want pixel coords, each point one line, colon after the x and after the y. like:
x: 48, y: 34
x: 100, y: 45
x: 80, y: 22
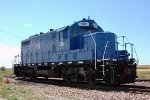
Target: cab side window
x: 53, y: 35
x: 62, y: 35
x: 74, y: 32
x: 65, y: 34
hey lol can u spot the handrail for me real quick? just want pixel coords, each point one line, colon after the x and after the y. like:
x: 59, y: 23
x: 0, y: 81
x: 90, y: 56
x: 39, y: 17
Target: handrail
x: 132, y: 48
x: 137, y: 59
x: 104, y: 57
x: 122, y: 41
x: 95, y: 49
x: 16, y: 59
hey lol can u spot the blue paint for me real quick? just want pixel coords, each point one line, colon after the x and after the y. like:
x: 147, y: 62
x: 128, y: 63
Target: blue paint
x: 71, y: 43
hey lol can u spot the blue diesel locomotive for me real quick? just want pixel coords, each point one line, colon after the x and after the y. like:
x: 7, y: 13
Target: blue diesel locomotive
x: 81, y: 52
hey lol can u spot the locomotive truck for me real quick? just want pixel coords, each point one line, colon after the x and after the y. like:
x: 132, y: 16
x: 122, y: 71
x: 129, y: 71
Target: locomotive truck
x: 81, y: 52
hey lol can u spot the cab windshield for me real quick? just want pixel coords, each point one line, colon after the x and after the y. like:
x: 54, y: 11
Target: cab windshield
x: 84, y: 30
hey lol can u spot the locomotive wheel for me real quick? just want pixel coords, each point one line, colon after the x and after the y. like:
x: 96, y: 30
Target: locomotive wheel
x: 91, y: 78
x: 16, y: 71
x: 46, y: 77
x: 80, y: 78
x: 111, y: 77
x: 66, y: 79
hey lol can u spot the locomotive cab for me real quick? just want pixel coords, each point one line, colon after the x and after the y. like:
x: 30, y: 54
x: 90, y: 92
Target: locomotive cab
x: 80, y: 28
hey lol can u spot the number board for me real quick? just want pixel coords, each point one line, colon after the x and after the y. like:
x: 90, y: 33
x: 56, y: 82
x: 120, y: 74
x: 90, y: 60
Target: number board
x: 83, y: 24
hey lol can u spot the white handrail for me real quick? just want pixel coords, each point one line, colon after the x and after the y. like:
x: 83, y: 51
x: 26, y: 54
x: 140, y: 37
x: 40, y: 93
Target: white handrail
x: 95, y: 48
x: 16, y: 59
x: 104, y: 57
x: 132, y: 48
x: 137, y: 61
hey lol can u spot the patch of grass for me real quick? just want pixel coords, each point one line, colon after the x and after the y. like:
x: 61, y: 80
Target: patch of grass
x: 143, y: 67
x: 143, y: 74
x: 7, y: 92
x: 8, y: 71
x: 143, y: 71
x: 14, y: 92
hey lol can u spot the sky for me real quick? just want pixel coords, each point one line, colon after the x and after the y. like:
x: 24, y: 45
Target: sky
x: 20, y: 19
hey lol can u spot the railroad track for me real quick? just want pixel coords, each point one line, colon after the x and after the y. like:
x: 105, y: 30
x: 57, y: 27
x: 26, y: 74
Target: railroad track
x: 142, y: 79
x: 42, y: 80
x: 100, y: 86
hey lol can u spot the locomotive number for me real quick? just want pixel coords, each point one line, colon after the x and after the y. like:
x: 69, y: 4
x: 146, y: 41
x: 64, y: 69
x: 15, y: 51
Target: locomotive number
x: 83, y: 23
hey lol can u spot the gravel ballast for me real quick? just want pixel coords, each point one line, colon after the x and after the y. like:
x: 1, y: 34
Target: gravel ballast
x: 57, y: 92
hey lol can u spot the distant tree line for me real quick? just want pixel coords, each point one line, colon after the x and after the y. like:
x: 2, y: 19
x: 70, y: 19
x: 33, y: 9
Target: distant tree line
x: 2, y: 68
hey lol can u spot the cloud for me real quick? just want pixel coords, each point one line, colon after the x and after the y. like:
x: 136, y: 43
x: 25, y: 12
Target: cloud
x: 7, y: 54
x: 28, y: 25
